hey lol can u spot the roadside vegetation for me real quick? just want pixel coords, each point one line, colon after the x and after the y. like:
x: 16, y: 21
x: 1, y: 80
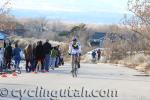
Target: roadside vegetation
x: 126, y: 43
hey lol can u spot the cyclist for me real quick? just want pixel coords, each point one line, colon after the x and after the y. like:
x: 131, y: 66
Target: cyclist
x: 75, y: 51
x: 94, y: 55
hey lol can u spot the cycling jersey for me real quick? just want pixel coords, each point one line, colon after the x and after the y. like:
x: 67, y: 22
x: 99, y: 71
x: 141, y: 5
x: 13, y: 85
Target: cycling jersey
x: 74, y: 48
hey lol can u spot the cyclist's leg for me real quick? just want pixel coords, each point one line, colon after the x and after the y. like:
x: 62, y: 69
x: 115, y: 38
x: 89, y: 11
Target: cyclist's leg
x: 76, y: 65
x: 73, y: 62
x: 78, y: 60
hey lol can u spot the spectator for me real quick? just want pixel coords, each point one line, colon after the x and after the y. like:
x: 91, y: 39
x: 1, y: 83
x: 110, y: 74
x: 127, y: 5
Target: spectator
x: 28, y: 57
x: 8, y: 55
x: 61, y: 59
x: 4, y: 44
x: 39, y: 55
x: 16, y: 55
x: 47, y: 48
x: 34, y: 57
x: 1, y: 58
x: 57, y: 63
x: 54, y: 54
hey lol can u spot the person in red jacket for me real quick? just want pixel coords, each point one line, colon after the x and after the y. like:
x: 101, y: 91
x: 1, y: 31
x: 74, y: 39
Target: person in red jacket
x: 99, y: 54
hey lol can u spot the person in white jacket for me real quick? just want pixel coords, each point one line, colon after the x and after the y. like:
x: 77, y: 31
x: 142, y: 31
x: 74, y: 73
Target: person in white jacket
x: 1, y: 56
x: 75, y: 50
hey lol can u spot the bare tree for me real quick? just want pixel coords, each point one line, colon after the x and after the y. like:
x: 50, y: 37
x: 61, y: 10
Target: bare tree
x: 7, y: 22
x: 36, y: 27
x: 56, y: 26
x: 139, y: 22
x: 5, y: 6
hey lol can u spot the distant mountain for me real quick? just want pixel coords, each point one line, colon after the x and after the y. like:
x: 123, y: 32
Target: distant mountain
x: 84, y: 17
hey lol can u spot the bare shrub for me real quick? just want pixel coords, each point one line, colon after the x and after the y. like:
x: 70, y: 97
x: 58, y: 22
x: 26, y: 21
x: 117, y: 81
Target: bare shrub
x: 138, y: 59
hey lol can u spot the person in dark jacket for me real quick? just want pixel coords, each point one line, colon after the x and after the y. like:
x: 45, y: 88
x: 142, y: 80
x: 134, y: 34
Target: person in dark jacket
x: 4, y: 44
x: 8, y: 55
x: 47, y: 49
x: 34, y: 63
x: 39, y: 55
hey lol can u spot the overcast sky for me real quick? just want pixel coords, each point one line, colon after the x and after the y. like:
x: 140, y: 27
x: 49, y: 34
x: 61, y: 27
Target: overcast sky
x: 101, y: 11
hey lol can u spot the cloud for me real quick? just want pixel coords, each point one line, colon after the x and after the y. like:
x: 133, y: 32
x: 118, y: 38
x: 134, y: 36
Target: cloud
x: 39, y: 5
x: 116, y: 6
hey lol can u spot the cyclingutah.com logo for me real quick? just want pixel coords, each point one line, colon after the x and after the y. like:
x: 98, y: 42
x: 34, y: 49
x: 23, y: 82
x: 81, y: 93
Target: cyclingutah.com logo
x: 41, y: 93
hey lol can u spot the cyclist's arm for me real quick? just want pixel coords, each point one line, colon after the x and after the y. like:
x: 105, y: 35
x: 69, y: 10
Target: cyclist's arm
x: 80, y: 48
x: 70, y: 48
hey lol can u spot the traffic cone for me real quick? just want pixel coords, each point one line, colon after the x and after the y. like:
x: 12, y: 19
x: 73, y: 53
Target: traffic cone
x: 14, y: 74
x: 35, y: 72
x: 4, y: 75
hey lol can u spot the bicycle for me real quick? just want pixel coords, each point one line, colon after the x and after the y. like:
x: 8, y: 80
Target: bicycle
x: 94, y: 60
x: 75, y: 65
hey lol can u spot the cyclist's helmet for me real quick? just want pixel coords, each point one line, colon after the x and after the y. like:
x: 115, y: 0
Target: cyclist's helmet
x: 75, y: 45
x: 74, y: 39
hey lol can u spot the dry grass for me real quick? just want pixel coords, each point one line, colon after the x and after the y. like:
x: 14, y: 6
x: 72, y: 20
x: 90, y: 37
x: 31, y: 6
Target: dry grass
x: 139, y: 62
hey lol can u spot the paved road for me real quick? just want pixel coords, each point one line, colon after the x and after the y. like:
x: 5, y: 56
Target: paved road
x: 95, y: 82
